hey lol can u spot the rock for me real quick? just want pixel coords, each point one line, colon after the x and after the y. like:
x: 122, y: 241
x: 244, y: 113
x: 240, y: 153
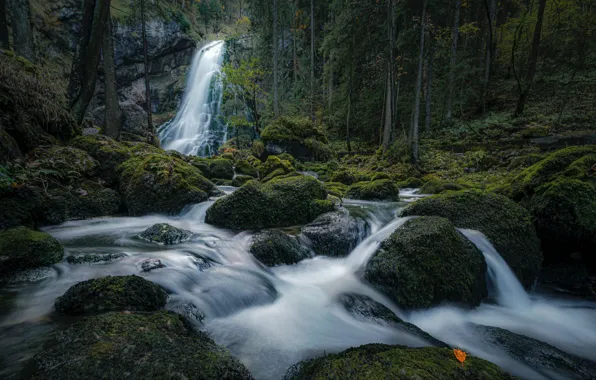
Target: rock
x: 335, y: 233
x: 381, y: 361
x: 506, y: 224
x: 243, y: 167
x: 150, y: 264
x: 298, y: 137
x: 165, y: 234
x: 104, y: 294
x: 427, y: 262
x: 275, y: 167
x: 336, y: 189
x: 158, y: 345
x: 20, y: 207
x: 381, y: 190
x: 240, y: 180
x: 69, y: 163
x: 278, y: 203
x: 22, y: 248
x: 221, y: 169
x: 200, y: 163
x: 28, y: 275
x: 541, y: 356
x: 274, y: 247
x: 410, y: 183
x: 157, y: 183
x: 572, y: 278
x: 436, y: 187
x: 367, y: 309
x: 94, y: 258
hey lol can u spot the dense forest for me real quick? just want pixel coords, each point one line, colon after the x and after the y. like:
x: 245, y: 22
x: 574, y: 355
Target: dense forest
x: 298, y: 189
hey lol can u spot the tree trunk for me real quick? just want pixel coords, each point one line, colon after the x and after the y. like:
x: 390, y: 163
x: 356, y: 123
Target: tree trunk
x: 294, y: 59
x: 416, y: 112
x: 388, y: 112
x: 453, y: 62
x: 275, y: 63
x: 4, y: 43
x: 490, y: 15
x: 533, y: 59
x: 429, y: 87
x: 146, y: 64
x: 390, y: 96
x: 22, y: 33
x: 312, y: 60
x: 113, y: 116
x: 86, y: 59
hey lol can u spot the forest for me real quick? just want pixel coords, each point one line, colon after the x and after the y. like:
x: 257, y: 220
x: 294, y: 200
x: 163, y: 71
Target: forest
x: 298, y: 189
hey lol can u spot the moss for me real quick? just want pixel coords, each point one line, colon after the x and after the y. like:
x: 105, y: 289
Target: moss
x: 157, y: 183
x: 380, y: 361
x: 410, y: 183
x: 582, y: 169
x: 507, y: 225
x: 288, y: 157
x: 275, y: 164
x: 22, y: 248
x: 378, y: 176
x: 427, y: 262
x: 109, y: 153
x: 159, y: 346
x: 277, y: 203
x: 20, y: 207
x: 202, y: 164
x: 336, y: 188
x: 243, y: 167
x: 522, y: 162
x: 381, y: 190
x: 111, y: 294
x: 221, y: 168
x: 298, y: 137
x: 437, y: 187
x: 240, y: 180
x: 274, y: 247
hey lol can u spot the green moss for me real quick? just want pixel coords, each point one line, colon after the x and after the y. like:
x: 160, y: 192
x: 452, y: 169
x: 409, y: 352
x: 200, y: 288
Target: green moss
x: 111, y: 294
x: 378, y: 176
x: 157, y: 183
x: 298, y: 137
x: 436, y: 187
x: 427, y: 262
x: 240, y: 180
x: 274, y: 247
x: 20, y: 207
x: 70, y: 163
x: 202, y: 164
x: 221, y: 168
x: 243, y: 167
x: 410, y: 183
x: 336, y: 188
x: 275, y: 164
x: 507, y: 225
x: 281, y: 202
x: 22, y: 248
x: 379, y: 361
x: 381, y: 190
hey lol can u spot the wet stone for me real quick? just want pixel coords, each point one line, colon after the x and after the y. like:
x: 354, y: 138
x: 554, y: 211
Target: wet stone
x: 94, y: 258
x: 151, y: 264
x: 165, y: 234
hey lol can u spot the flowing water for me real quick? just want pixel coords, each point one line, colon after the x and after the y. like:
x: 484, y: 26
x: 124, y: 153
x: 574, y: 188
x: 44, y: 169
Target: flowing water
x: 197, y: 128
x: 271, y: 318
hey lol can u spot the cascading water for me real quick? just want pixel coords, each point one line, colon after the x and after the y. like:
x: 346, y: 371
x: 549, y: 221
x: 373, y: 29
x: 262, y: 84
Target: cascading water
x: 197, y: 129
x: 271, y: 318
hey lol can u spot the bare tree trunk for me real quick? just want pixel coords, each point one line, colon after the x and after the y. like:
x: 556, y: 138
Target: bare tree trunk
x: 4, y: 43
x: 490, y: 15
x: 388, y: 113
x: 22, y: 33
x: 312, y: 60
x: 416, y: 112
x: 86, y: 59
x: 452, y: 62
x: 534, y: 53
x: 389, y: 104
x: 146, y: 64
x: 429, y: 87
x: 294, y: 59
x: 113, y: 116
x: 275, y: 63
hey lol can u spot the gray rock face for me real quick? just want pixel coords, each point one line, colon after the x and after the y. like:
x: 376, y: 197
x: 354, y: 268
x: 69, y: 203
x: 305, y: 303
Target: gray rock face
x: 335, y: 233
x: 274, y: 247
x: 165, y: 234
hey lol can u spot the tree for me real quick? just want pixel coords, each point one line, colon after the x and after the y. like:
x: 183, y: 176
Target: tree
x: 275, y: 62
x: 491, y: 10
x: 4, y: 43
x: 453, y: 61
x: 146, y: 65
x: 390, y: 96
x: 113, y: 116
x: 312, y: 60
x: 416, y: 112
x: 22, y: 33
x: 429, y: 87
x: 86, y: 59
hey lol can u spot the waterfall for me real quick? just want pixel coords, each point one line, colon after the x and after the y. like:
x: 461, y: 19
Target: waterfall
x: 196, y: 129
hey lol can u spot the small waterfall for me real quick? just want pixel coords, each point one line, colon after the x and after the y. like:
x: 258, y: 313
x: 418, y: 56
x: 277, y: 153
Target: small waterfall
x: 196, y: 129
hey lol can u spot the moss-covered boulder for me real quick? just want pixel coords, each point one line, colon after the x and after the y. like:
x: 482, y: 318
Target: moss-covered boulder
x: 165, y: 234
x: 507, y: 225
x: 437, y: 187
x: 20, y: 206
x: 111, y: 294
x: 277, y: 203
x: 274, y: 247
x: 275, y: 165
x: 381, y: 190
x: 298, y: 137
x: 22, y: 248
x: 221, y: 168
x: 94, y: 258
x: 160, y: 345
x: 157, y: 183
x: 410, y: 183
x: 336, y: 189
x: 243, y: 167
x: 200, y: 163
x: 240, y: 180
x: 69, y: 163
x: 335, y: 233
x: 427, y: 262
x: 380, y: 361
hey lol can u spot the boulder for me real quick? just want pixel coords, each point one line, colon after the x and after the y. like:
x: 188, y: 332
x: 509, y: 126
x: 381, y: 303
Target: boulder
x: 410, y: 183
x: 20, y: 207
x: 507, y: 225
x: 437, y: 187
x: 22, y: 248
x: 335, y: 233
x: 68, y: 162
x: 158, y: 345
x: 132, y: 293
x: 94, y: 258
x: 221, y: 169
x: 274, y: 247
x: 381, y: 190
x: 278, y: 203
x: 298, y: 137
x: 427, y: 262
x: 240, y: 180
x: 381, y: 361
x: 243, y: 167
x: 275, y: 165
x: 165, y: 234
x: 157, y: 183
x: 150, y: 264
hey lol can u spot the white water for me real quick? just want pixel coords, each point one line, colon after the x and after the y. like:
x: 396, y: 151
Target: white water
x: 271, y: 318
x: 196, y: 130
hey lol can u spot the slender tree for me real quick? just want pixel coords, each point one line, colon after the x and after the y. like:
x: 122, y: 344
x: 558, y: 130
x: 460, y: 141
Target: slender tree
x: 275, y: 62
x: 312, y: 60
x: 429, y: 88
x: 491, y: 11
x: 146, y: 64
x: 4, y: 43
x: 22, y: 33
x: 113, y: 116
x: 390, y: 96
x: 416, y: 111
x: 453, y: 62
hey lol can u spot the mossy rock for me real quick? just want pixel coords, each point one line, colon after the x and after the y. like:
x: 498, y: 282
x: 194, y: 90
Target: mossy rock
x: 22, y: 248
x: 200, y: 163
x: 160, y: 345
x: 427, y: 262
x: 275, y: 165
x: 411, y: 183
x: 243, y: 167
x: 110, y: 293
x: 507, y: 226
x: 381, y: 361
x: 380, y: 175
x: 157, y: 183
x: 221, y: 168
x: 67, y: 161
x: 288, y: 157
x: 240, y: 180
x: 20, y: 207
x: 335, y: 233
x: 437, y: 187
x: 94, y: 258
x: 274, y: 247
x: 381, y: 190
x: 281, y: 202
x: 163, y: 233
x: 336, y: 188
x: 298, y: 137
x: 346, y: 177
